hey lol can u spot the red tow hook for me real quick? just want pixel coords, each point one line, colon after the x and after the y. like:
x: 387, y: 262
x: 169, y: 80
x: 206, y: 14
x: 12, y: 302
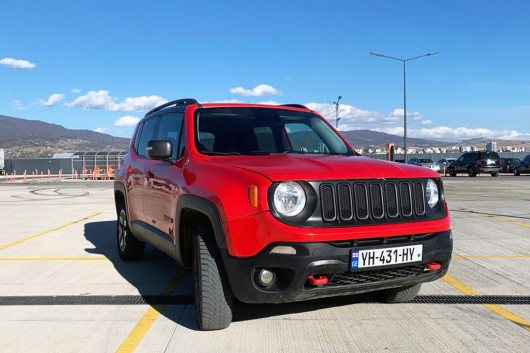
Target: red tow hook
x: 434, y: 266
x: 318, y: 280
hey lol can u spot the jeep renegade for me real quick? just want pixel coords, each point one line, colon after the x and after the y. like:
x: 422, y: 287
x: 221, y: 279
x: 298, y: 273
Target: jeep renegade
x: 270, y: 204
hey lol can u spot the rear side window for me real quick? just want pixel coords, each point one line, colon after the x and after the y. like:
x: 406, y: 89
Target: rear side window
x: 137, y: 137
x: 489, y: 155
x: 148, y: 132
x: 170, y: 129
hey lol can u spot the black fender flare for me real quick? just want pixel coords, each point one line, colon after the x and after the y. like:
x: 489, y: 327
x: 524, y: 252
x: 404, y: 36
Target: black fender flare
x: 205, y: 207
x: 118, y: 186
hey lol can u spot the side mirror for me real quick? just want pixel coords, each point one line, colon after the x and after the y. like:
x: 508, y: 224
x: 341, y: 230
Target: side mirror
x: 159, y: 149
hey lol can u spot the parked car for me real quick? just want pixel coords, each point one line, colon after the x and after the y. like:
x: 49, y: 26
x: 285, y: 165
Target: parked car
x: 269, y: 204
x: 474, y: 163
x: 523, y: 167
x: 445, y: 162
x: 508, y: 164
x: 425, y: 162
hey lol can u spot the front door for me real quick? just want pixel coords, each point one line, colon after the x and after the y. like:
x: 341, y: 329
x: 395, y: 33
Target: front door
x: 161, y: 185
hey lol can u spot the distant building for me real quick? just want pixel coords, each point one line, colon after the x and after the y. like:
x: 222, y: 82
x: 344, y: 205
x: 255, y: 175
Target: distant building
x: 465, y: 149
x: 491, y: 146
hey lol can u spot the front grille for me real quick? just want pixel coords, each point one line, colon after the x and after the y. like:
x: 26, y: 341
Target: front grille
x: 371, y: 200
x: 368, y: 276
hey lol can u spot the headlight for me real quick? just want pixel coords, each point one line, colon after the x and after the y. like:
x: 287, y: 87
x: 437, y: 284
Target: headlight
x: 289, y: 199
x: 432, y: 193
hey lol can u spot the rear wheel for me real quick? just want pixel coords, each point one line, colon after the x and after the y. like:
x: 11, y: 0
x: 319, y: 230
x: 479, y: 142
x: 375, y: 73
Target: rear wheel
x: 399, y: 295
x: 496, y: 174
x: 213, y: 296
x: 516, y: 172
x: 129, y: 247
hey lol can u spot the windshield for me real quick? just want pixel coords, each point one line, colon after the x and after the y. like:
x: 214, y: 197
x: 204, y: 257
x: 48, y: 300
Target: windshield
x: 243, y: 130
x: 425, y: 160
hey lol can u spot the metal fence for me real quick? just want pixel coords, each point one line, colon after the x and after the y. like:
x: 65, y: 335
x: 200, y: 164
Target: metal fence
x: 437, y: 156
x: 86, y: 164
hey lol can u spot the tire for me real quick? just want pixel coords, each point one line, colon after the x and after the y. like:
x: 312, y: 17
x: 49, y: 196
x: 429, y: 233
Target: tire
x: 452, y: 173
x: 516, y: 172
x: 471, y: 172
x: 129, y: 247
x: 213, y: 296
x: 399, y: 295
x: 496, y: 174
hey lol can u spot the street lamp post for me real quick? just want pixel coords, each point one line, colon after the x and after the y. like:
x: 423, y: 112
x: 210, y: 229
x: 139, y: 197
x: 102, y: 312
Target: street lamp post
x: 404, y: 61
x: 337, y: 112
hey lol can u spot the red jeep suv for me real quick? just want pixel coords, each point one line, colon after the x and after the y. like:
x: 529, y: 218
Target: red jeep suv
x: 269, y: 204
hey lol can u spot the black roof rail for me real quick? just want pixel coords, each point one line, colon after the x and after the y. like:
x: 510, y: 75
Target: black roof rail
x: 295, y: 106
x: 183, y: 102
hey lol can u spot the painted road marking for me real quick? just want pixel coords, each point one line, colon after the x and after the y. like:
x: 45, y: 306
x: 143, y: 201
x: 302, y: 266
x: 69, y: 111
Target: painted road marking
x: 493, y: 307
x: 496, y: 217
x: 145, y: 323
x: 48, y: 231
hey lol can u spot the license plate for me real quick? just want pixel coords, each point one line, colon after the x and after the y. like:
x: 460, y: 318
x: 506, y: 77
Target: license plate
x: 386, y: 256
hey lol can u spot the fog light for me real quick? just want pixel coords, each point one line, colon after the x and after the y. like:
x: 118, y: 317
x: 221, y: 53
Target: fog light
x: 281, y: 249
x: 266, y: 278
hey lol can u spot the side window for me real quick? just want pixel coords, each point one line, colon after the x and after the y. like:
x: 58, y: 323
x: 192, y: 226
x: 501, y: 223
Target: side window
x: 169, y: 129
x: 461, y: 158
x: 148, y: 132
x: 137, y: 137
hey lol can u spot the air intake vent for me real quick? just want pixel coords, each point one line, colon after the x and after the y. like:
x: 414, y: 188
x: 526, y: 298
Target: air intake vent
x: 419, y: 199
x: 376, y: 195
x: 345, y: 204
x: 406, y: 199
x: 328, y: 202
x: 391, y: 200
x: 361, y: 201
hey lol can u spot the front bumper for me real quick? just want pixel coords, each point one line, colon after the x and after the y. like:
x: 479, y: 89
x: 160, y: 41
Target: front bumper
x: 332, y: 259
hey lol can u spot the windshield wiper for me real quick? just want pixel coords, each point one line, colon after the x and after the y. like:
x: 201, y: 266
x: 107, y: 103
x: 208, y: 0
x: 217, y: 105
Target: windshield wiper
x: 215, y: 153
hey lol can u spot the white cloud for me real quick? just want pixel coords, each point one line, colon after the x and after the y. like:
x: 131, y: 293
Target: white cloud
x: 52, y: 100
x: 271, y: 102
x: 102, y: 130
x: 17, y: 64
x: 92, y: 100
x: 17, y: 105
x: 138, y: 104
x: 76, y: 90
x: 127, y: 120
x: 102, y: 100
x: 258, y: 91
x: 353, y: 118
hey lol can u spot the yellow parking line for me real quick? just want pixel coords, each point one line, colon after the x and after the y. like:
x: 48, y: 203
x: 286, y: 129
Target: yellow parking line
x: 491, y: 256
x: 145, y: 323
x: 493, y: 307
x: 48, y: 231
x: 52, y: 258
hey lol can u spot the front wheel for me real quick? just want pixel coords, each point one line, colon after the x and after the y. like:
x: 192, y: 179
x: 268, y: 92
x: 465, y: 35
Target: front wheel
x: 496, y: 174
x: 471, y: 172
x: 516, y: 172
x: 452, y: 172
x: 129, y: 248
x: 213, y: 296
x: 399, y: 295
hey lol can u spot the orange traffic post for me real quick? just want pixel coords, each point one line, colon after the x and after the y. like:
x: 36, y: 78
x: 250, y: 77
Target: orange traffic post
x: 24, y: 176
x: 49, y: 175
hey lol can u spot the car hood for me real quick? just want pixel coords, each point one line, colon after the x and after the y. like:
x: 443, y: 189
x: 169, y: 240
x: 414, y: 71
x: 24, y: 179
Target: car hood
x: 278, y: 167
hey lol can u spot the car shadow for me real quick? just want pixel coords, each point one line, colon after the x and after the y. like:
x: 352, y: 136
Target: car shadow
x: 152, y: 273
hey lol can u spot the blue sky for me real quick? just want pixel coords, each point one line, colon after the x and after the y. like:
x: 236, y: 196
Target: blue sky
x: 96, y: 62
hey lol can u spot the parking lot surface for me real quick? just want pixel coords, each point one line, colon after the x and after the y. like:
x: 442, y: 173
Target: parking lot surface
x: 63, y: 287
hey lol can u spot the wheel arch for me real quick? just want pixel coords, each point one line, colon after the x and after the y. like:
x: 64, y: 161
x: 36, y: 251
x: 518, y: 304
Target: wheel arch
x: 193, y: 211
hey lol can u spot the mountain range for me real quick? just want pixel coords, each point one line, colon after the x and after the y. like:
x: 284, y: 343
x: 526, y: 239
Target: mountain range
x: 23, y: 138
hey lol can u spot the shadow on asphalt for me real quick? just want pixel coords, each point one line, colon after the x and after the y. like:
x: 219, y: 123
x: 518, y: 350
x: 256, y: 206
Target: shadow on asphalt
x: 151, y: 274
